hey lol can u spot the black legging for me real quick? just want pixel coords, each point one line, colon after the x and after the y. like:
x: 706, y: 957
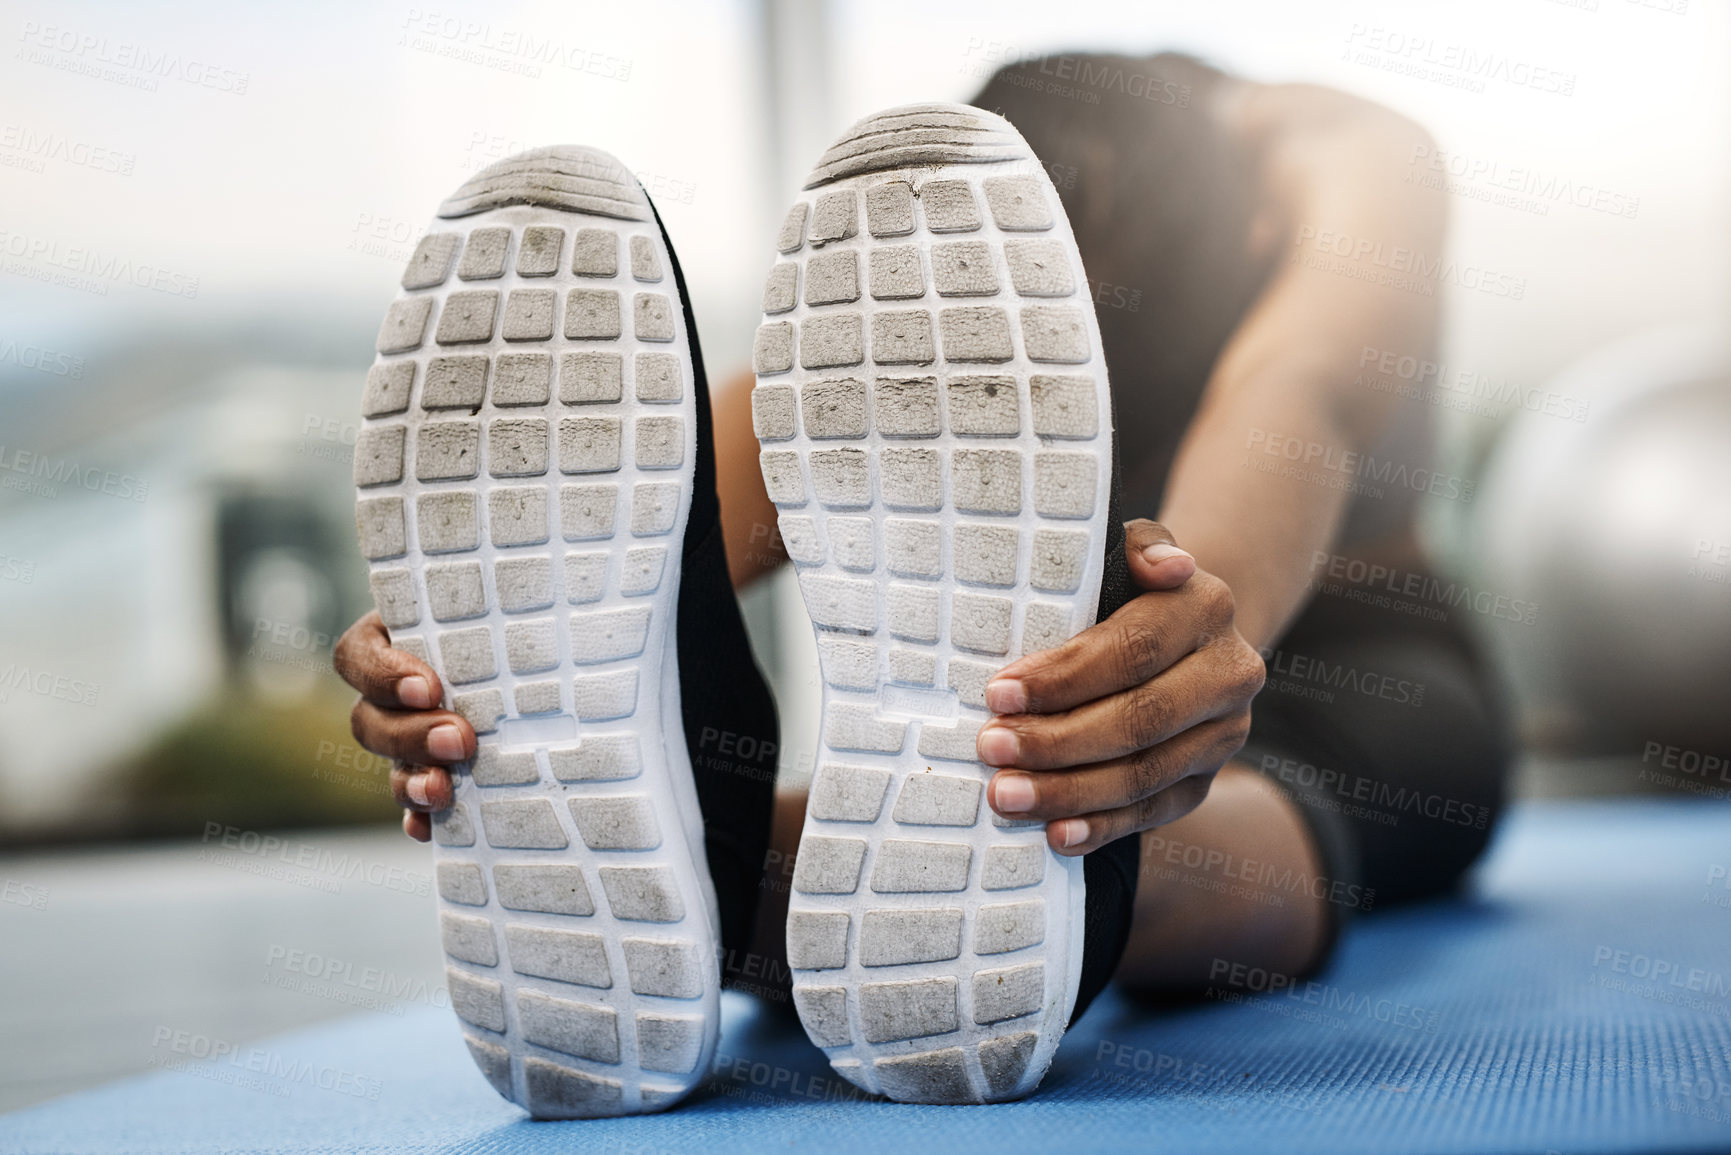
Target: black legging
x: 1385, y: 726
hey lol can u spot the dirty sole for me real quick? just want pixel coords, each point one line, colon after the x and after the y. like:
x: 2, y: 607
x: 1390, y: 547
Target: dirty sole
x: 933, y: 413
x: 525, y: 474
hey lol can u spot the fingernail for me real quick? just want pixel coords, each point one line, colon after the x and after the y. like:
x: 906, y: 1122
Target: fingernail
x: 414, y: 693
x: 1006, y: 696
x: 1072, y: 831
x: 1013, y: 793
x: 445, y: 743
x: 417, y: 789
x: 998, y: 747
x: 1160, y: 551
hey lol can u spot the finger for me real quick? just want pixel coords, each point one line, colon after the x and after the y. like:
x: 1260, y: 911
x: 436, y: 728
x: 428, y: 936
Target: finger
x: 1073, y: 836
x: 422, y: 737
x: 423, y: 788
x: 1156, y: 562
x: 1052, y: 795
x: 1144, y: 637
x: 1210, y: 683
x: 366, y: 660
x: 417, y: 826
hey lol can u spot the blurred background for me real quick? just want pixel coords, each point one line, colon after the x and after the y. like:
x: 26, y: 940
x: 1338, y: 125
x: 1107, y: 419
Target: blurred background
x: 205, y: 207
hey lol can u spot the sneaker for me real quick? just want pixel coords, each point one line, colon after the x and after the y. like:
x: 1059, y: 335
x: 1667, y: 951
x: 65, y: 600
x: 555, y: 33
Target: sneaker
x: 935, y: 423
x: 537, y: 505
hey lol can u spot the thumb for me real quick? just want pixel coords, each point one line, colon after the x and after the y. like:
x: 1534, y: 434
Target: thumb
x: 1156, y: 562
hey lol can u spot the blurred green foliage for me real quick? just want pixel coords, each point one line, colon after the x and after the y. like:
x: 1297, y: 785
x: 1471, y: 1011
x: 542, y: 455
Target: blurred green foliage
x: 249, y: 762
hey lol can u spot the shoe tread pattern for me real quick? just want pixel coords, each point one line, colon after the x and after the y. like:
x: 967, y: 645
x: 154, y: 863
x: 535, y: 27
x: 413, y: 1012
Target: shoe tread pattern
x: 933, y: 418
x: 523, y: 473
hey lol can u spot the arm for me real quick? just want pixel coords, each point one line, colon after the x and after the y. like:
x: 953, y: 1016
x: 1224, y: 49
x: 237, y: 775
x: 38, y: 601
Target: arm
x: 1140, y: 711
x: 748, y: 519
x: 1333, y: 166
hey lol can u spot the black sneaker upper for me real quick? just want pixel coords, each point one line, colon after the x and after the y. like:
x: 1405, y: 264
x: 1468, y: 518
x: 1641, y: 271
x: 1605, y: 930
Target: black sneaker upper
x: 731, y: 731
x: 1110, y: 872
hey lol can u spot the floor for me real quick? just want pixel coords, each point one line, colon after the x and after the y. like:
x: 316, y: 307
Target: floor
x: 1578, y: 1000
x: 105, y: 949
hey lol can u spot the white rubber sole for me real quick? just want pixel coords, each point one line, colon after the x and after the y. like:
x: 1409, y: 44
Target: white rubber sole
x: 525, y: 472
x: 934, y: 416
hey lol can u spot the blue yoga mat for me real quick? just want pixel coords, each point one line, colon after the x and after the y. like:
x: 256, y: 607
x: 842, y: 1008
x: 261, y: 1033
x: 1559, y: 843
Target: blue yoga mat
x: 1578, y: 1000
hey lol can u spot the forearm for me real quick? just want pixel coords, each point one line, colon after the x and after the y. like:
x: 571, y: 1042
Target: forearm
x: 1251, y: 517
x: 1267, y: 468
x: 1265, y: 473
x: 748, y: 519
